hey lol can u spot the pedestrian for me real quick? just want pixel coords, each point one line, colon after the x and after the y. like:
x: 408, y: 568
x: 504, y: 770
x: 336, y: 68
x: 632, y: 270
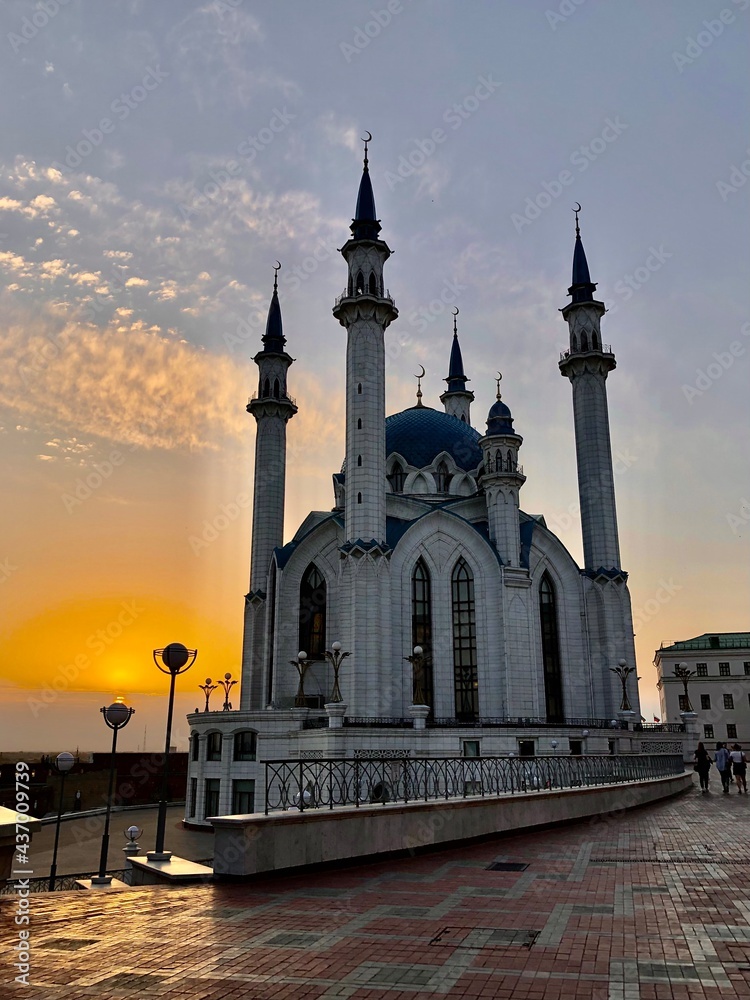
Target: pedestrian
x: 739, y: 767
x: 724, y: 766
x: 702, y: 766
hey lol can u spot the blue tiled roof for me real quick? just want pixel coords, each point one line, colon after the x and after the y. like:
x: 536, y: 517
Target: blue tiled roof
x: 421, y: 433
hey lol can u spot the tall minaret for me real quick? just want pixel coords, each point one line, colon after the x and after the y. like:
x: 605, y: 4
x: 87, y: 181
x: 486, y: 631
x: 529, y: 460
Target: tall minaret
x: 272, y: 407
x: 457, y: 399
x: 366, y: 310
x: 502, y: 478
x: 587, y: 363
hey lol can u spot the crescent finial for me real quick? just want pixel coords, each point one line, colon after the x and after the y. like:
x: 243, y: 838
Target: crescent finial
x: 455, y: 330
x: 419, y: 378
x: 369, y: 137
x: 276, y: 270
x: 422, y: 373
x: 577, y: 209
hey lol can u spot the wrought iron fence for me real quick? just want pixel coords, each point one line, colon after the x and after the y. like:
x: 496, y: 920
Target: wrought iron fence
x: 327, y: 784
x: 659, y: 727
x: 62, y: 882
x: 504, y: 722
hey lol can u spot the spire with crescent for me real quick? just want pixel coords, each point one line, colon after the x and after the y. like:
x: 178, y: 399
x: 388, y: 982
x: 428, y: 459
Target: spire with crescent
x: 365, y: 225
x: 273, y: 338
x: 582, y: 288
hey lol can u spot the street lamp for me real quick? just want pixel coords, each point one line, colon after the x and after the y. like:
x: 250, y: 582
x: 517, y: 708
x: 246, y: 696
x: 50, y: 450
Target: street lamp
x: 683, y: 672
x: 301, y: 664
x: 176, y: 659
x: 208, y: 688
x: 117, y: 716
x: 417, y: 666
x: 554, y: 745
x: 227, y: 684
x: 623, y: 671
x: 63, y: 763
x: 334, y: 657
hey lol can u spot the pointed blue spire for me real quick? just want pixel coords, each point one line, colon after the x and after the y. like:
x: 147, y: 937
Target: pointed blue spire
x: 273, y: 338
x: 582, y: 288
x: 456, y: 379
x: 365, y: 225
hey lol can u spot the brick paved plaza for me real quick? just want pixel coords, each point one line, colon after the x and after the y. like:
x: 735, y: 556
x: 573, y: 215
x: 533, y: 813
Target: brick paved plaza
x: 653, y: 904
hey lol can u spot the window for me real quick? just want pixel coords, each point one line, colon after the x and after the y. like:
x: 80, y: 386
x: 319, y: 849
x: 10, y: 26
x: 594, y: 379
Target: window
x: 359, y: 283
x: 421, y: 625
x: 312, y: 612
x: 359, y: 498
x: 213, y: 746
x: 708, y: 732
x: 211, y: 800
x: 442, y: 478
x: 359, y: 459
x: 244, y: 745
x: 397, y: 478
x: 470, y: 748
x: 550, y: 651
x: 705, y: 701
x: 195, y: 747
x: 701, y: 670
x: 243, y: 796
x: 359, y: 423
x: 728, y: 701
x: 372, y: 287
x: 724, y: 670
x: 276, y: 389
x: 359, y: 388
x: 576, y: 747
x: 684, y: 703
x: 464, y: 643
x: 526, y: 748
x: 271, y: 631
x: 746, y: 665
x: 267, y: 387
x: 193, y: 796
x: 731, y: 731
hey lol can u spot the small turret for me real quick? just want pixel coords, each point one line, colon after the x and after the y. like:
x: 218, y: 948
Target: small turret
x: 502, y: 478
x: 457, y: 399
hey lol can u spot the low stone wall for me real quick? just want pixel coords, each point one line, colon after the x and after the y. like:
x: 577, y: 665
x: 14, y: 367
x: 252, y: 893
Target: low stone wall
x: 247, y: 845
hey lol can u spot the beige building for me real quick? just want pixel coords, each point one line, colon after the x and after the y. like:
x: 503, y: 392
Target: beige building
x: 718, y: 686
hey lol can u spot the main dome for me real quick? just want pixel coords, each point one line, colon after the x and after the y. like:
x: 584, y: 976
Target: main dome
x: 420, y: 433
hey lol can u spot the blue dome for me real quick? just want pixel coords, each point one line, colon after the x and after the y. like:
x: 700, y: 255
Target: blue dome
x: 500, y: 419
x: 421, y: 433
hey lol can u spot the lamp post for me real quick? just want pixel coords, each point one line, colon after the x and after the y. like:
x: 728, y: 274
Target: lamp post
x: 623, y: 671
x: 208, y: 688
x: 176, y: 659
x: 683, y: 672
x: 117, y: 716
x: 334, y: 657
x: 227, y: 684
x: 301, y: 664
x: 417, y: 665
x: 63, y: 763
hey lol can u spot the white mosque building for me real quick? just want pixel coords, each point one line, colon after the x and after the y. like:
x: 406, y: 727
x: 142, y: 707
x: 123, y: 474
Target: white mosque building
x: 426, y: 549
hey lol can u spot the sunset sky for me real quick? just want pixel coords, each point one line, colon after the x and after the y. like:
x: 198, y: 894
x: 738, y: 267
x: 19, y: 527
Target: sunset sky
x: 157, y: 158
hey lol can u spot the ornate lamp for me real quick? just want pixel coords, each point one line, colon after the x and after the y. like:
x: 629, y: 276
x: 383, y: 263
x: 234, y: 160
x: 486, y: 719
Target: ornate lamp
x: 623, y: 671
x: 208, y: 688
x: 417, y: 666
x: 227, y: 684
x: 684, y: 673
x: 301, y: 665
x: 117, y: 716
x: 334, y: 655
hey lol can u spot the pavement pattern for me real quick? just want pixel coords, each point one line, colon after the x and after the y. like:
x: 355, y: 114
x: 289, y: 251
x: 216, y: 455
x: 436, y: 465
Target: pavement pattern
x: 650, y: 904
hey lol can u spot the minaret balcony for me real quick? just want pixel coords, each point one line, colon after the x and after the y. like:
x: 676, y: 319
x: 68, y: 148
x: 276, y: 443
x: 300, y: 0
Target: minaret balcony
x: 286, y: 398
x: 604, y: 349
x: 365, y: 295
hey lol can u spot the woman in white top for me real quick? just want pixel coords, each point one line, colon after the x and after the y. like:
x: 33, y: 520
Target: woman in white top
x: 739, y: 768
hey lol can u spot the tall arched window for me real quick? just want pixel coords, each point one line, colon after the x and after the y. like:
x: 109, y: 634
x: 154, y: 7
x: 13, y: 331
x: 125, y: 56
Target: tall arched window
x: 373, y: 288
x: 271, y: 632
x: 550, y: 651
x: 442, y: 478
x: 276, y: 388
x: 421, y: 625
x: 266, y: 388
x: 397, y: 478
x: 312, y: 613
x: 464, y: 643
x: 360, y: 283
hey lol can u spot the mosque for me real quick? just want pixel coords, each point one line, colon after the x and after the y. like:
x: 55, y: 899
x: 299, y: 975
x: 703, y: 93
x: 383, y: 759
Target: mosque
x: 426, y: 614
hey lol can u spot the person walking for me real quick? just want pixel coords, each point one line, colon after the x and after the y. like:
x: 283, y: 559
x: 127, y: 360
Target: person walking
x: 724, y: 766
x: 702, y: 766
x: 739, y: 767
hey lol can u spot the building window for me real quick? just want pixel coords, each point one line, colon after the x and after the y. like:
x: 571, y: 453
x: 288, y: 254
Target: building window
x: 359, y: 459
x: 397, y: 478
x: 244, y: 745
x: 211, y: 800
x: 359, y: 423
x: 464, y: 643
x: 213, y: 746
x: 746, y: 665
x: 550, y: 651
x: 526, y: 748
x: 442, y: 478
x: 271, y: 632
x: 470, y: 748
x: 193, y: 796
x: 312, y: 613
x: 421, y: 625
x: 731, y: 731
x: 701, y: 670
x: 724, y: 670
x: 243, y: 796
x: 359, y: 498
x: 576, y: 747
x: 728, y: 701
x: 705, y: 701
x: 195, y: 747
x: 708, y: 732
x: 684, y: 703
x: 359, y: 389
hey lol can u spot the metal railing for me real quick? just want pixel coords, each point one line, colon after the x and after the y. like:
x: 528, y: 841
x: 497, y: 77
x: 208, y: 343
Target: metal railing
x: 346, y: 295
x: 328, y: 784
x: 62, y: 882
x: 504, y: 722
x: 604, y: 349
x: 285, y: 398
x: 659, y: 727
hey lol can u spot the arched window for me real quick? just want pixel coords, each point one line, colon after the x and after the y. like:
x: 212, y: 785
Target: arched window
x: 463, y: 417
x: 271, y: 631
x: 245, y: 745
x: 509, y: 466
x: 360, y: 283
x: 373, y: 289
x: 266, y: 388
x: 397, y: 478
x: 498, y: 461
x: 550, y: 651
x: 442, y: 478
x: 359, y: 389
x: 359, y: 423
x: 584, y: 342
x: 276, y: 388
x: 359, y: 498
x: 359, y: 459
x: 421, y: 626
x: 312, y: 613
x: 464, y: 643
x: 594, y: 342
x: 195, y: 746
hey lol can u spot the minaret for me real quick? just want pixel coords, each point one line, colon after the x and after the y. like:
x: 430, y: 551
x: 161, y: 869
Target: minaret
x: 457, y: 399
x: 502, y: 478
x: 366, y: 310
x: 272, y: 407
x: 587, y: 362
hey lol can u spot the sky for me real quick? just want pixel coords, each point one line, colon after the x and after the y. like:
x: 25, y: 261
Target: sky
x: 157, y: 159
